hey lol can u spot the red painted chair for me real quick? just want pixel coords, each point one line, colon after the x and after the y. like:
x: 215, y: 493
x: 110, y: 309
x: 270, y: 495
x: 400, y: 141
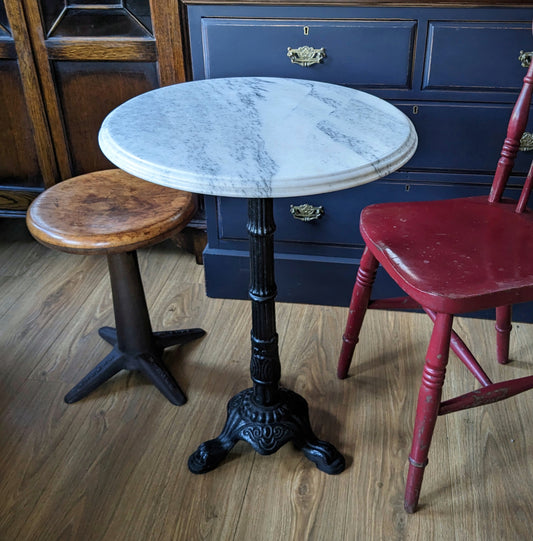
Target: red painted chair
x: 451, y: 257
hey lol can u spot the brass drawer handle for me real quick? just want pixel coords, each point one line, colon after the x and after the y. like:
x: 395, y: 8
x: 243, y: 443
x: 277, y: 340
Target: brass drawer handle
x: 306, y: 212
x: 526, y: 142
x: 306, y: 56
x: 525, y: 58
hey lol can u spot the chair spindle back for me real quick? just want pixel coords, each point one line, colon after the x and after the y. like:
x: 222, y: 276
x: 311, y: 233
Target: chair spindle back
x: 515, y: 130
x: 526, y: 191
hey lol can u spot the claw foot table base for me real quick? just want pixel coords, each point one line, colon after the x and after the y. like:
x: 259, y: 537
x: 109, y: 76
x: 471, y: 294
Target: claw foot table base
x: 267, y: 429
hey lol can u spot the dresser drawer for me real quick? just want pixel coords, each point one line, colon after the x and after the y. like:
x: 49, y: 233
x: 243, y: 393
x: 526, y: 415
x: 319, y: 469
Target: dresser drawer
x: 461, y: 136
x: 470, y: 66
x: 363, y: 53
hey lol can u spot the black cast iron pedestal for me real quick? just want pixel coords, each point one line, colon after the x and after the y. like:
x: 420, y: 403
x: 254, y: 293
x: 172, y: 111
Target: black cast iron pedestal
x: 266, y: 415
x: 135, y: 346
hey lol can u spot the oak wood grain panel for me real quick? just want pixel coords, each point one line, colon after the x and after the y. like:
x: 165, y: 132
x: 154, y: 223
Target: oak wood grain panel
x: 13, y: 200
x: 37, y: 36
x: 88, y: 91
x: 140, y: 50
x: 168, y: 19
x: 19, y: 165
x: 32, y: 91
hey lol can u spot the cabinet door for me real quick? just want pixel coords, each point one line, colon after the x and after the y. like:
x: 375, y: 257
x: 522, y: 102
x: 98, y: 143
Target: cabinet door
x: 91, y: 57
x: 25, y: 163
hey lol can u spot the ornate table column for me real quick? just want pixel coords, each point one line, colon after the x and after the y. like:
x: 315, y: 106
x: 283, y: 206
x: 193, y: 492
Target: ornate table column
x: 266, y: 416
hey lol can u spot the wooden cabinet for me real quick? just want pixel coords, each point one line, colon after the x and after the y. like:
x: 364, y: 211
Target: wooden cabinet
x: 64, y: 66
x: 453, y: 70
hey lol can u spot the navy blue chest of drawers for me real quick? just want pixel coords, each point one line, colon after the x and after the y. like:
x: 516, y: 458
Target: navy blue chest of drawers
x: 454, y: 71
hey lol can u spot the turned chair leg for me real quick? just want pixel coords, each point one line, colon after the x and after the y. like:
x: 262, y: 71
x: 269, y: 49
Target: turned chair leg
x: 135, y: 346
x: 366, y: 275
x: 427, y: 408
x: 503, y: 332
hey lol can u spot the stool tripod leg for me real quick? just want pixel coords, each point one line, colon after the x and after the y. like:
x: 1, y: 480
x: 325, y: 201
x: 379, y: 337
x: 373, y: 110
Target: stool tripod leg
x: 156, y: 372
x: 165, y: 339
x: 105, y: 370
x: 109, y: 334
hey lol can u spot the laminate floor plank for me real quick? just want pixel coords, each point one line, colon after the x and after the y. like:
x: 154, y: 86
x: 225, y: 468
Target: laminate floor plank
x: 113, y: 466
x: 30, y: 326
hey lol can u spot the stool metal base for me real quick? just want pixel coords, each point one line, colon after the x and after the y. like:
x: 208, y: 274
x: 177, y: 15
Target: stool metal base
x: 135, y: 345
x: 148, y: 363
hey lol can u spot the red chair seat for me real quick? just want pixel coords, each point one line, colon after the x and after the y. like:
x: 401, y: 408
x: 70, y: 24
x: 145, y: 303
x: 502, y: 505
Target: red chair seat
x: 484, y: 245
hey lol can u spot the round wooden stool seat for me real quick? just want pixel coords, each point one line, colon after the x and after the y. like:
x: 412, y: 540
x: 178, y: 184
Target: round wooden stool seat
x: 108, y: 211
x: 114, y: 213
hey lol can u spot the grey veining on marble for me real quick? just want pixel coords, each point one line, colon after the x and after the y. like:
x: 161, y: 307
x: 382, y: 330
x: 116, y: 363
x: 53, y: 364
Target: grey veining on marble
x: 257, y: 137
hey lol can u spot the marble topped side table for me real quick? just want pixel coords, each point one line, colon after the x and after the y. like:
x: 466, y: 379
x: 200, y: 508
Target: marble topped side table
x: 260, y: 138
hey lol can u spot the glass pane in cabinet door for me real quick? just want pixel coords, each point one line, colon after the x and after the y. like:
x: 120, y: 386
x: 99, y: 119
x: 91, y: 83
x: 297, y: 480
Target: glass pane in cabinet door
x: 94, y: 18
x: 140, y: 9
x: 51, y: 11
x: 4, y: 25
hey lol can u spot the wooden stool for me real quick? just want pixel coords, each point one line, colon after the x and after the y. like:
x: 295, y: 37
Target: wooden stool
x: 114, y: 213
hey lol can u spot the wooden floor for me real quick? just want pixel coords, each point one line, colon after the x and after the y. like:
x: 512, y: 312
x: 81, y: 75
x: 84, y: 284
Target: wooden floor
x: 114, y: 466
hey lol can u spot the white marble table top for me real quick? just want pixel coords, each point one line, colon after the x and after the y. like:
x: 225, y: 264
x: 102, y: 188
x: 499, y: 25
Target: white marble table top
x: 257, y: 137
